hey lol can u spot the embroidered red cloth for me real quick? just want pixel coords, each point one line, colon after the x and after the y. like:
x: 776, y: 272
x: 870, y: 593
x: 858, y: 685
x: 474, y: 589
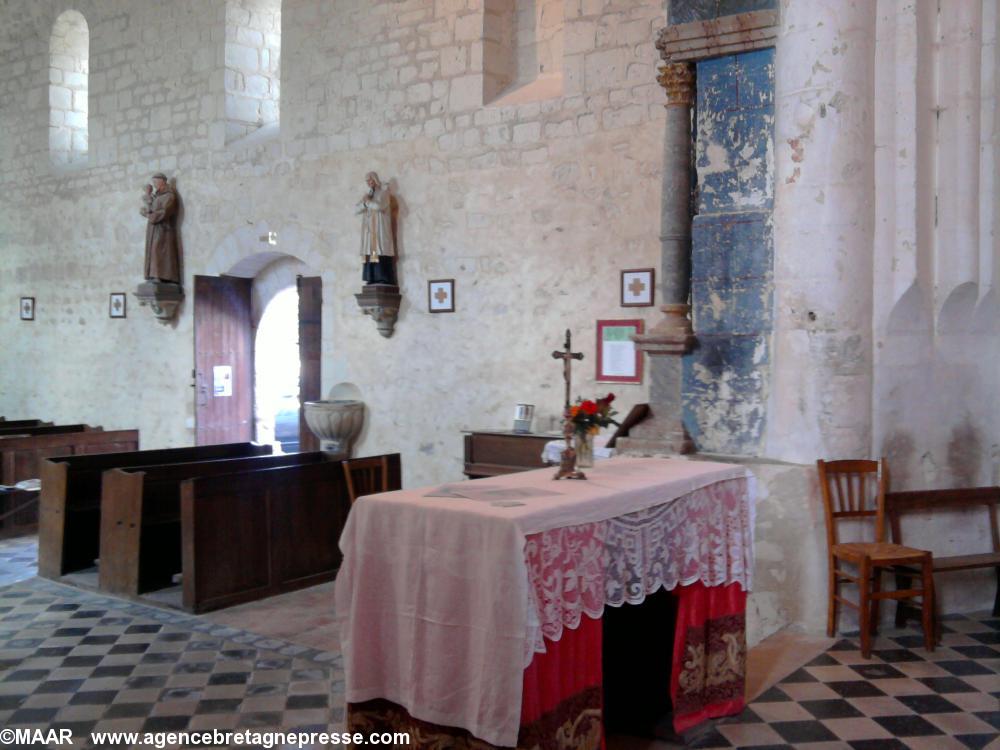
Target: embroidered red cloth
x: 709, y: 666
x: 561, y: 706
x: 562, y: 688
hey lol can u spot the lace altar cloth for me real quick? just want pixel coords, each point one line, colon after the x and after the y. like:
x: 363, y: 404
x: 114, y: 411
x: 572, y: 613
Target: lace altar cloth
x: 445, y: 593
x: 706, y: 535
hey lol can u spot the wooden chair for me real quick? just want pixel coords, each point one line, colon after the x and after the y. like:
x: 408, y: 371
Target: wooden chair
x: 366, y: 476
x: 856, y: 490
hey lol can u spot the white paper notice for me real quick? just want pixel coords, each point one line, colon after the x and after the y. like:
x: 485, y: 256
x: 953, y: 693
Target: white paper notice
x: 222, y: 381
x: 618, y: 352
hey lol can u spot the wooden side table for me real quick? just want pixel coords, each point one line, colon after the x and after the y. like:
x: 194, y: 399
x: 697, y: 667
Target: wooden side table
x: 492, y: 452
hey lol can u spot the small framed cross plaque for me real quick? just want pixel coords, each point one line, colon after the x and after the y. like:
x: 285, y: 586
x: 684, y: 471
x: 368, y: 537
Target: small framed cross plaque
x: 441, y: 295
x: 116, y: 305
x: 27, y: 308
x: 637, y: 287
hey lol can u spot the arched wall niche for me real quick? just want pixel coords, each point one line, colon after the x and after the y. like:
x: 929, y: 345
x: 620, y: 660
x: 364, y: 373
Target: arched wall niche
x: 69, y: 73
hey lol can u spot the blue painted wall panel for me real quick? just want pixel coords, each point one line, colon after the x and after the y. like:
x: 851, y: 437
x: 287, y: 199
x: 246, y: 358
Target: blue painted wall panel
x: 726, y: 364
x: 732, y: 292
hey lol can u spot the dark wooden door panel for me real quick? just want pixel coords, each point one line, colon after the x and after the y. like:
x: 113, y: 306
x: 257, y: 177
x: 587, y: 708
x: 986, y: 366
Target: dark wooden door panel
x: 223, y: 337
x: 310, y: 333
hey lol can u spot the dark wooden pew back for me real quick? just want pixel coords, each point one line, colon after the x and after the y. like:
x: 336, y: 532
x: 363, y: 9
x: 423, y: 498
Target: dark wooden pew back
x: 21, y: 456
x: 140, y: 537
x: 23, y: 423
x: 251, y: 535
x: 70, y: 527
x: 48, y: 429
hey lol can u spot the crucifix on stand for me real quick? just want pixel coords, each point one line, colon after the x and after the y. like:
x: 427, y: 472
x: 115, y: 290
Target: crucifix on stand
x: 567, y: 461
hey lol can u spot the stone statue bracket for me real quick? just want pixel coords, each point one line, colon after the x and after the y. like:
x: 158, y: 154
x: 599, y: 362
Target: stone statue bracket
x: 381, y: 302
x: 162, y: 297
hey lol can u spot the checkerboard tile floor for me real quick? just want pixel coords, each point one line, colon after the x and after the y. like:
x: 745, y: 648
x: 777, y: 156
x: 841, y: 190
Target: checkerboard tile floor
x: 71, y: 658
x: 18, y: 559
x: 903, y: 697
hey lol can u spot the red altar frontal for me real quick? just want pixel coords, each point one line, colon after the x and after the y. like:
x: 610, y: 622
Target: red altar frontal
x: 472, y: 613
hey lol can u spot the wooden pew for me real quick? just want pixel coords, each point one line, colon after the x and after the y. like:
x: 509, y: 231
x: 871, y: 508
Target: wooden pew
x: 23, y: 423
x: 141, y: 518
x: 21, y: 456
x: 241, y: 536
x: 986, y: 499
x: 50, y: 429
x: 291, y: 519
x: 70, y: 506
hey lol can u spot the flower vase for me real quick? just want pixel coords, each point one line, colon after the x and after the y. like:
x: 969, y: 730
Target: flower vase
x: 584, y: 446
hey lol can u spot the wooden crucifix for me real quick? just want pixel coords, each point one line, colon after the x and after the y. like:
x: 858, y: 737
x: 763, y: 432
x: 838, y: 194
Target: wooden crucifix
x: 567, y: 461
x: 567, y: 355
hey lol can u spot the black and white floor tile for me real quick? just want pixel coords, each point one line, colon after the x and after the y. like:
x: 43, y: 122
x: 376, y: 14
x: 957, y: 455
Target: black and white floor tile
x: 72, y: 659
x: 18, y: 559
x: 903, y: 697
x: 75, y: 659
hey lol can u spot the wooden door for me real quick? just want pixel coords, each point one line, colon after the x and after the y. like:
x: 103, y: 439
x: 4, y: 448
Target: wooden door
x: 310, y: 330
x: 223, y: 356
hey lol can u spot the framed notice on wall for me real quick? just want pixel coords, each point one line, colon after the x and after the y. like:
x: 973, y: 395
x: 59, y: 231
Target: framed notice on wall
x: 618, y: 359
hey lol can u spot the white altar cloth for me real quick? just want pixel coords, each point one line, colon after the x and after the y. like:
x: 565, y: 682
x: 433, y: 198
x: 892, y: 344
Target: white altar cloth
x: 433, y: 599
x: 552, y: 452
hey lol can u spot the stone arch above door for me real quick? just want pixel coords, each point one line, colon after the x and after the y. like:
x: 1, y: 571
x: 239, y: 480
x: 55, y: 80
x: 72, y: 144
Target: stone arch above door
x: 243, y: 252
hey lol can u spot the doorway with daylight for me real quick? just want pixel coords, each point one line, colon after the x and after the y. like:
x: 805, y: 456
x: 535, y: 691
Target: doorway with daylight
x: 257, y: 352
x: 276, y: 373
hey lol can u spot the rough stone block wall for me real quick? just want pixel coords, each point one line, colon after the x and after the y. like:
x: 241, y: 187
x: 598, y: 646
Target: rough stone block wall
x: 253, y: 63
x: 726, y: 377
x: 69, y: 53
x: 532, y: 208
x: 499, y: 48
x: 523, y: 49
x: 538, y: 38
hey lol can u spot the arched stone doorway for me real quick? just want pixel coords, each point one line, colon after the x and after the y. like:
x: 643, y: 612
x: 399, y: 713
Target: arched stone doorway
x: 229, y: 311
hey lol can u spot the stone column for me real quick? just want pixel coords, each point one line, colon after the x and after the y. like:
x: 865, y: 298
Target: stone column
x: 821, y: 398
x: 671, y: 338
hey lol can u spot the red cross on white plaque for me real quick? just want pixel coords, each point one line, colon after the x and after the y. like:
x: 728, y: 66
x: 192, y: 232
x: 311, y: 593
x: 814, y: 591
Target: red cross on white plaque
x: 636, y: 287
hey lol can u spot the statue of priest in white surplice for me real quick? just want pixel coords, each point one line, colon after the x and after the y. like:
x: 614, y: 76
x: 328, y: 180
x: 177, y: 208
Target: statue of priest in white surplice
x: 378, y: 247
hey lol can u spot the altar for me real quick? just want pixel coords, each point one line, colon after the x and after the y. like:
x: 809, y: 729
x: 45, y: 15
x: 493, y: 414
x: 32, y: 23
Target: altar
x: 475, y: 608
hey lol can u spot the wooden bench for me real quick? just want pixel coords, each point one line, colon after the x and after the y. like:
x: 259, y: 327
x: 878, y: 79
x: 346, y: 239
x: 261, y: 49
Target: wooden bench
x: 985, y: 498
x: 141, y: 518
x: 44, y: 429
x: 70, y: 506
x: 289, y: 522
x: 23, y: 423
x: 21, y: 457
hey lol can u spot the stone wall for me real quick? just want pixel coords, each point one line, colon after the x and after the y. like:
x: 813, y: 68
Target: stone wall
x: 887, y: 325
x: 532, y: 208
x: 533, y: 201
x: 69, y: 55
x: 252, y: 77
x: 936, y: 314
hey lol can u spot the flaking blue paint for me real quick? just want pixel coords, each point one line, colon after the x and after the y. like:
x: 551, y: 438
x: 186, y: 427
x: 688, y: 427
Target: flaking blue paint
x: 726, y: 377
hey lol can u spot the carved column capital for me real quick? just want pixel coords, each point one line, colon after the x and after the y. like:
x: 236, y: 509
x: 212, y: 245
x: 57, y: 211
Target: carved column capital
x: 677, y: 79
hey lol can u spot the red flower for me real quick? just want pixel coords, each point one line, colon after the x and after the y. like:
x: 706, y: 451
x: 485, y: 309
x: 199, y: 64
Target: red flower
x: 588, y: 407
x: 609, y: 398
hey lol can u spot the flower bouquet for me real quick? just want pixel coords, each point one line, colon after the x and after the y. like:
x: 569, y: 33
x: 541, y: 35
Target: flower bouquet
x: 588, y: 417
